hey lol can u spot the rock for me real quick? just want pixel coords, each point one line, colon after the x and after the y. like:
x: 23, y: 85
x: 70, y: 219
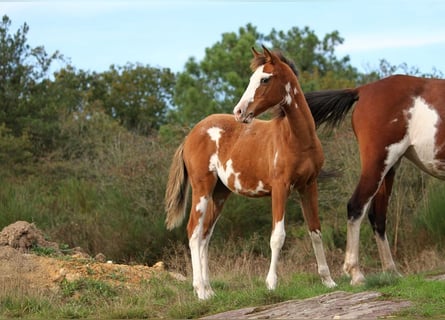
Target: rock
x: 100, y: 257
x: 335, y: 305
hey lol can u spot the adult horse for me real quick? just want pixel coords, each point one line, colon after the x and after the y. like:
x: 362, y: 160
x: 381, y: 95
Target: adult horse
x: 252, y: 158
x: 394, y: 117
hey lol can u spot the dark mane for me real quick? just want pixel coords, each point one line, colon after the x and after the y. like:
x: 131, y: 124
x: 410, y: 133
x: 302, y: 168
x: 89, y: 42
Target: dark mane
x: 259, y: 60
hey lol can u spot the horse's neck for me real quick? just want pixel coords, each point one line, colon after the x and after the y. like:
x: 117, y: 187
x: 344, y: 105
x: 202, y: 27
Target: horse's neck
x: 299, y: 118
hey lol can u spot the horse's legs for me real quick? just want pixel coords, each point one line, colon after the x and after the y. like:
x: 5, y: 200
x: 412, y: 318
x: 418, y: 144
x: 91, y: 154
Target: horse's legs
x: 309, y: 205
x: 219, y: 197
x: 279, y: 197
x: 374, y: 169
x: 201, y: 214
x: 377, y: 218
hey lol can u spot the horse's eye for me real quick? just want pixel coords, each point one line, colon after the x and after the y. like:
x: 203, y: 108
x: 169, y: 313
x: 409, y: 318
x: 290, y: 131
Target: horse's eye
x: 265, y: 80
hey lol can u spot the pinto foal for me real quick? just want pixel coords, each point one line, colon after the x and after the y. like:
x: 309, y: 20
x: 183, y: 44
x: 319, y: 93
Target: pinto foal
x: 253, y: 158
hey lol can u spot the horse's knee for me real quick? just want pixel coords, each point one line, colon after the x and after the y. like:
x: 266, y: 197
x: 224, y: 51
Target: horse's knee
x: 355, y: 210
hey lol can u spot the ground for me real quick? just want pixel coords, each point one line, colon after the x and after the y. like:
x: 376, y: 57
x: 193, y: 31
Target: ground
x: 43, y: 271
x: 46, y: 272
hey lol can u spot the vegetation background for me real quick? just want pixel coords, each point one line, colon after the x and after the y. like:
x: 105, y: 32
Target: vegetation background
x: 85, y: 156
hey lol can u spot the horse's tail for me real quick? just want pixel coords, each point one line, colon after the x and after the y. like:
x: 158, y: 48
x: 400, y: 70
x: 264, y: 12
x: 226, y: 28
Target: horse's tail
x: 331, y: 106
x: 176, y: 193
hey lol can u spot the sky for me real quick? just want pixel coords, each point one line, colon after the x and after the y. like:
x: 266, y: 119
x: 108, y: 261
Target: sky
x: 94, y: 35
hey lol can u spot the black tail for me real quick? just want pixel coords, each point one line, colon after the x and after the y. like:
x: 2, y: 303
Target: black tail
x: 331, y: 106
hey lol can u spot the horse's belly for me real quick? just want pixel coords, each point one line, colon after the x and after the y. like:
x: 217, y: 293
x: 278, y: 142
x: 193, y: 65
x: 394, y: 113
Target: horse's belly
x: 428, y: 162
x: 247, y: 185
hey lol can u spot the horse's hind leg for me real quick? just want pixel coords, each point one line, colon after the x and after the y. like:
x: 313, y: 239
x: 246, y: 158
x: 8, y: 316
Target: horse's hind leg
x: 197, y: 230
x: 309, y: 204
x: 220, y: 195
x: 207, y: 201
x: 377, y: 218
x: 374, y: 168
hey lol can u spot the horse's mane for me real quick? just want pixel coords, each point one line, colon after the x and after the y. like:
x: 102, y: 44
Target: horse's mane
x: 259, y: 60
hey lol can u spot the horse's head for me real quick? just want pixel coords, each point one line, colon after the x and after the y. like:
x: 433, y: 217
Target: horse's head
x: 267, y: 86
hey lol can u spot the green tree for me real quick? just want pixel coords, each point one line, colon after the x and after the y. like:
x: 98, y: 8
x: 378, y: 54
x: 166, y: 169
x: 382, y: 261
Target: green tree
x: 138, y: 96
x: 215, y: 84
x: 315, y: 58
x: 24, y: 108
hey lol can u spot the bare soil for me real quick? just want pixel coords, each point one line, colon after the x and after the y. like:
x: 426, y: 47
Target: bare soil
x: 17, y: 265
x: 45, y: 272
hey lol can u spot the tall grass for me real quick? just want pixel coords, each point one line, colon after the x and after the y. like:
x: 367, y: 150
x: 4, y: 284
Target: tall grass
x: 104, y: 191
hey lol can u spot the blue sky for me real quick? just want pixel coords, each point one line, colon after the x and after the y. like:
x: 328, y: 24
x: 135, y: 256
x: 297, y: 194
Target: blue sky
x: 166, y: 33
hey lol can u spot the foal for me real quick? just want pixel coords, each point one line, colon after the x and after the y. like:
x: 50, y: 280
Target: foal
x: 253, y: 158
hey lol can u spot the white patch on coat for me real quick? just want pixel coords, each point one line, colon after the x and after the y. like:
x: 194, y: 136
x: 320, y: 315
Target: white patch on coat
x: 249, y: 94
x: 275, y: 160
x: 423, y: 121
x: 260, y: 189
x: 215, y: 134
x: 295, y: 91
x: 395, y: 152
x: 225, y: 172
x: 202, y: 205
x: 422, y: 130
x: 288, y: 97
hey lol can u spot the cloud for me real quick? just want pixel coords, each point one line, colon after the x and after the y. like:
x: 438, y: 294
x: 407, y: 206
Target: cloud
x: 373, y: 42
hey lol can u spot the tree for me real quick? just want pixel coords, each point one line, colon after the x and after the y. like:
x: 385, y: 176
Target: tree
x: 215, y: 84
x: 315, y: 59
x: 138, y: 96
x: 23, y: 84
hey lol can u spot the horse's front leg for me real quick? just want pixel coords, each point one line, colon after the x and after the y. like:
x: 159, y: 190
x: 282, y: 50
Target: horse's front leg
x: 309, y: 205
x: 279, y: 197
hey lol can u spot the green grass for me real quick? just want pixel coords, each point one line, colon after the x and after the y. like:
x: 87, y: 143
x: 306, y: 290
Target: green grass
x: 164, y: 297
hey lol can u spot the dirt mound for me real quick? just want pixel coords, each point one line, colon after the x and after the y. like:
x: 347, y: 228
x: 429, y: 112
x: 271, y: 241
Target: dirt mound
x: 19, y: 266
x: 23, y: 235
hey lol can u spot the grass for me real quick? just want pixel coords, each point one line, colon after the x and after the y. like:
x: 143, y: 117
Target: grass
x: 164, y: 297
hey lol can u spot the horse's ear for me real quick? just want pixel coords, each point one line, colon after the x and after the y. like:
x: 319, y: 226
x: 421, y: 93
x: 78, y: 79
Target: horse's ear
x: 269, y: 55
x: 255, y: 53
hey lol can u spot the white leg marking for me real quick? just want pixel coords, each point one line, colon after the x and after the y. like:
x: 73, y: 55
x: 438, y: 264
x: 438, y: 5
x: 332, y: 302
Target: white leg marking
x: 351, y: 265
x: 198, y: 252
x: 323, y: 269
x: 385, y: 254
x: 208, y: 291
x: 276, y: 243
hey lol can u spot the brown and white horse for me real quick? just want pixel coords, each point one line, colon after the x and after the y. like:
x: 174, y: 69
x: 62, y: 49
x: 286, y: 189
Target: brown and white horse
x: 253, y: 158
x: 394, y: 117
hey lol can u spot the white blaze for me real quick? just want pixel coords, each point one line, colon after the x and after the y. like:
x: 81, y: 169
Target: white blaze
x: 254, y: 83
